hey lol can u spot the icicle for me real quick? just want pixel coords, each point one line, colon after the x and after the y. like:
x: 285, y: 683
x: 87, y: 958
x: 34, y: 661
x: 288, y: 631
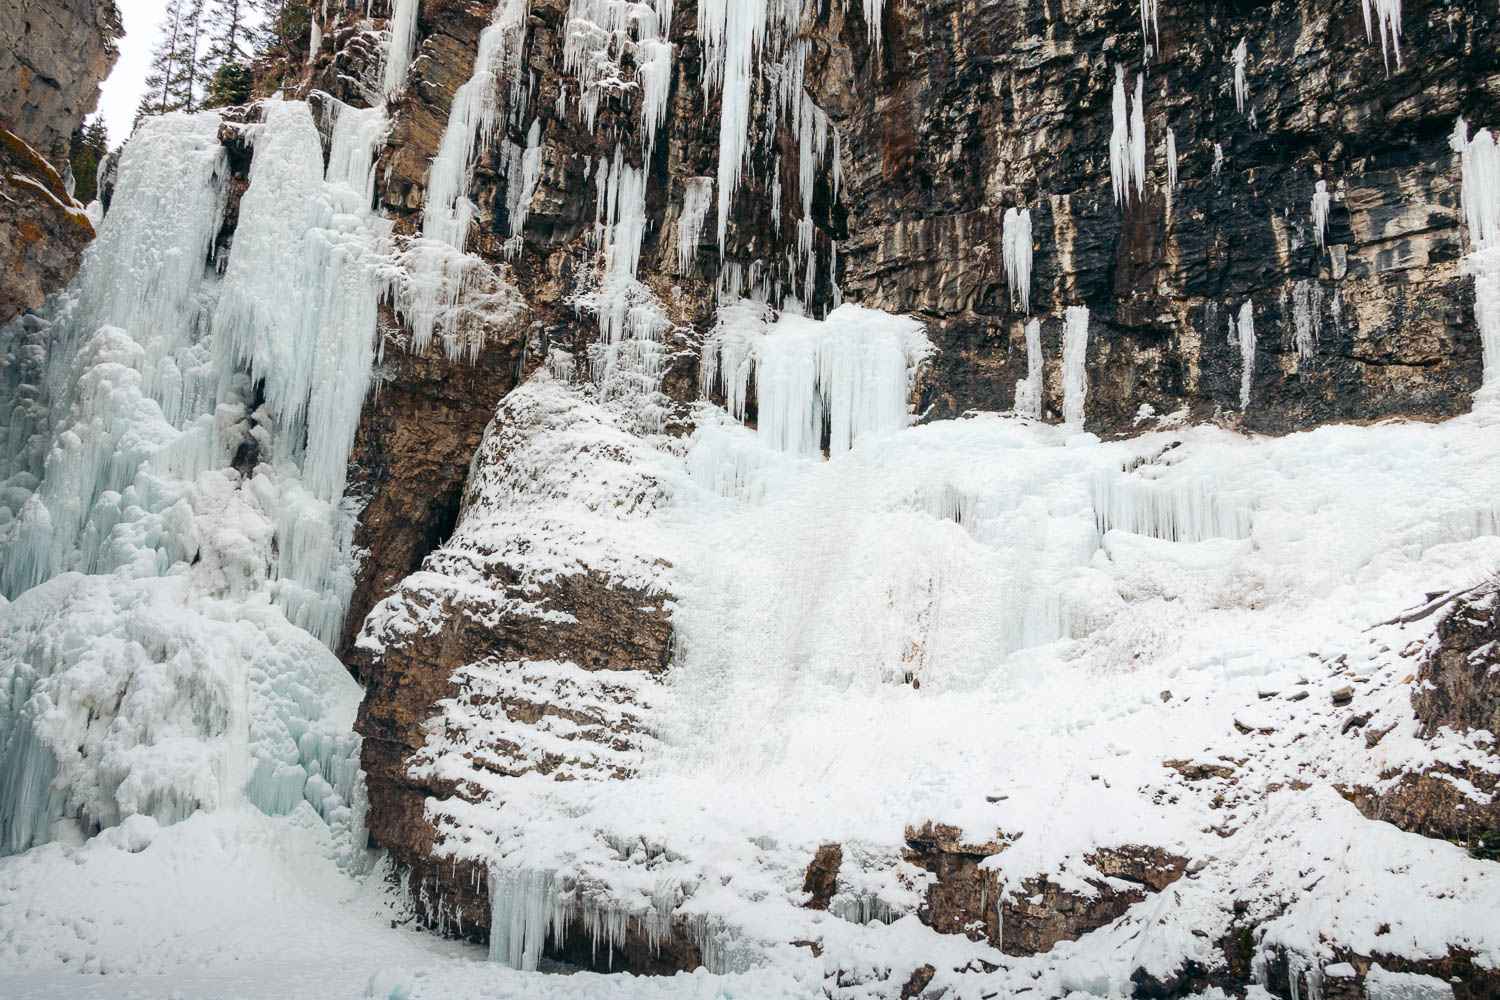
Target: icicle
x: 1241, y: 53
x: 402, y: 45
x: 1016, y: 251
x: 1150, y: 36
x: 1320, y: 202
x: 1029, y: 389
x: 1119, y: 141
x: 1075, y: 357
x: 1138, y: 136
x: 1387, y: 16
x: 732, y: 32
x: 1218, y: 158
x: 1127, y: 143
x: 1171, y: 159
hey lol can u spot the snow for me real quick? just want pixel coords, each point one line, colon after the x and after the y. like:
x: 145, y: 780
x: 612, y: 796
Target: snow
x: 851, y: 628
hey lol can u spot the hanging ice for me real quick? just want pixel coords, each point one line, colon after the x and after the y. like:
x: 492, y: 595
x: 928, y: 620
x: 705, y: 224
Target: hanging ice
x: 1127, y: 144
x: 1016, y: 250
x: 1241, y: 53
x: 697, y: 198
x: 1150, y: 35
x: 1029, y: 389
x: 1384, y: 16
x: 1171, y: 159
x: 1075, y: 357
x: 1320, y: 202
x: 1307, y: 316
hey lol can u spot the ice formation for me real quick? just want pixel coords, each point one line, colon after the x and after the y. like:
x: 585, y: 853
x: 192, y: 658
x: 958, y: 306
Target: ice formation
x: 1242, y: 334
x: 1127, y: 144
x: 1016, y: 251
x: 1029, y: 389
x: 1075, y: 358
x: 1384, y: 16
x: 1171, y: 159
x: 1480, y: 174
x: 697, y: 199
x: 187, y: 671
x: 1307, y: 316
x: 1321, y: 200
x: 835, y: 380
x: 403, y: 43
x: 1241, y: 88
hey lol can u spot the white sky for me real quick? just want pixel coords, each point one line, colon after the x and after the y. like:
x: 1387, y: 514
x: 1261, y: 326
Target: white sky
x: 122, y: 91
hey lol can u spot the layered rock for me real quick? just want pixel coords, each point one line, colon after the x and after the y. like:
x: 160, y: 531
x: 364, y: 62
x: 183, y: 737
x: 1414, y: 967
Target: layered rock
x: 56, y: 53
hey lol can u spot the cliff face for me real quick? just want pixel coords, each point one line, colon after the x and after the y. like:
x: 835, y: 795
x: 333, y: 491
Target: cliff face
x: 56, y: 54
x: 1283, y: 252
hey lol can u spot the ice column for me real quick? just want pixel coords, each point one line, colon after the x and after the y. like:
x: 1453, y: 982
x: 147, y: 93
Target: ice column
x: 1016, y: 249
x: 1320, y: 202
x: 1029, y: 389
x: 1241, y: 53
x: 697, y: 198
x: 1244, y: 332
x: 1075, y: 356
x: 1171, y: 159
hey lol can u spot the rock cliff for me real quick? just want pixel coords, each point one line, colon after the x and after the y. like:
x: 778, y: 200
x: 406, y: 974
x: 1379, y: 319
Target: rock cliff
x: 56, y: 54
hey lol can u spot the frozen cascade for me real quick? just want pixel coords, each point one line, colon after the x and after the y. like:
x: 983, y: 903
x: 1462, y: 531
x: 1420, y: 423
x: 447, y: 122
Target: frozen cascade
x: 603, y: 38
x: 1480, y: 166
x: 1384, y: 16
x: 1150, y: 33
x: 402, y: 45
x: 1075, y: 357
x: 1321, y: 200
x: 178, y: 678
x: 1241, y: 54
x: 435, y: 286
x: 471, y: 124
x: 1016, y: 250
x: 1029, y: 389
x: 846, y: 376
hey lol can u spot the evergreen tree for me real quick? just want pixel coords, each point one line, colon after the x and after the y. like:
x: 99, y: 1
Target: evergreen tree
x: 231, y: 42
x: 285, y: 24
x: 176, y: 80
x: 89, y: 146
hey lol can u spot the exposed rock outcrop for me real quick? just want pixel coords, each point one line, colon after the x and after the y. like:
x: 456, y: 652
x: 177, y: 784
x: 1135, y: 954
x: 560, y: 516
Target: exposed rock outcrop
x: 55, y: 54
x: 1457, y: 688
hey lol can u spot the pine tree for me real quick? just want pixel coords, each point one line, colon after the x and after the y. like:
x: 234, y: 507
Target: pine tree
x: 175, y: 80
x: 231, y: 37
x: 89, y: 146
x: 285, y: 24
